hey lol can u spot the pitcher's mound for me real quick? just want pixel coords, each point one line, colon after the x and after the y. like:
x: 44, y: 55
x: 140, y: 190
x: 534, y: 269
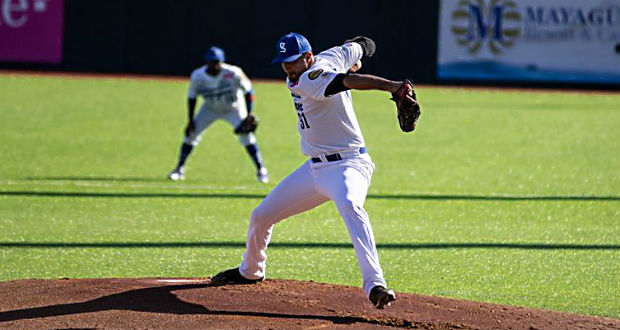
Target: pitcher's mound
x: 192, y: 303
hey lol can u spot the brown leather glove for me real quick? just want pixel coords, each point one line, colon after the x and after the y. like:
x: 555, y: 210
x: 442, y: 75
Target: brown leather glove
x: 247, y: 125
x: 408, y: 109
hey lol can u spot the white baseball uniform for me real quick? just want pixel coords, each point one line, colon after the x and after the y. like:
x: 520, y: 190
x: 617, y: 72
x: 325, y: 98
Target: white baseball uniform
x: 223, y: 98
x: 339, y: 169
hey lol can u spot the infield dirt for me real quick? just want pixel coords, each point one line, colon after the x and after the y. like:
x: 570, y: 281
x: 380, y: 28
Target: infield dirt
x: 193, y: 303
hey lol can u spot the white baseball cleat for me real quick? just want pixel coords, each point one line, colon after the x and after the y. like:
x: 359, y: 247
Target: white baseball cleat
x: 176, y: 174
x: 262, y: 175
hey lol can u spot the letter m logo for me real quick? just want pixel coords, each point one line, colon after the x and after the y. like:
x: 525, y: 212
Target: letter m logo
x: 484, y: 23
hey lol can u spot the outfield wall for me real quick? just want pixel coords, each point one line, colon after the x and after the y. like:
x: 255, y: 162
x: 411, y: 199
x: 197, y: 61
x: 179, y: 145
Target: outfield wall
x: 171, y: 36
x: 509, y: 42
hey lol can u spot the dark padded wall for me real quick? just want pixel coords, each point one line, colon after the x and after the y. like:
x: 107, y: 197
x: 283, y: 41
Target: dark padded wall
x: 171, y: 36
x: 94, y: 35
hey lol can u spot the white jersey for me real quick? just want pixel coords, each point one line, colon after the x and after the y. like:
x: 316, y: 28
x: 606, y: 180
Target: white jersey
x: 221, y: 93
x: 327, y: 124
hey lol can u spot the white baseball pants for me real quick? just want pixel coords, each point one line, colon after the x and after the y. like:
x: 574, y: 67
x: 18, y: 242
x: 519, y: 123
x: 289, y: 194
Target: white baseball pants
x: 345, y: 182
x: 206, y: 117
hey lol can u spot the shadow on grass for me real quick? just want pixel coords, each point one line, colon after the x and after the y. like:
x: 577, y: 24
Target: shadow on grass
x: 507, y: 198
x: 159, y: 299
x: 311, y: 245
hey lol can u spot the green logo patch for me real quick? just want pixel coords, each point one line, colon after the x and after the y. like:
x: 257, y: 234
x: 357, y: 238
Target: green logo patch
x: 315, y: 74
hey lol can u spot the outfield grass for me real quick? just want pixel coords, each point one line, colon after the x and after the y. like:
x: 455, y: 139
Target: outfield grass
x: 500, y: 196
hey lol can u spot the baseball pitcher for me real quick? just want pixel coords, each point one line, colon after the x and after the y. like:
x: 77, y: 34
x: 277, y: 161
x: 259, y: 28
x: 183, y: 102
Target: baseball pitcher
x: 339, y: 167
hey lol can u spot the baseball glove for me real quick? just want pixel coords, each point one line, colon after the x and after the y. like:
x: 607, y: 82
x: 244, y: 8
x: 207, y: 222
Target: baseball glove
x: 368, y: 45
x: 408, y: 109
x: 247, y: 125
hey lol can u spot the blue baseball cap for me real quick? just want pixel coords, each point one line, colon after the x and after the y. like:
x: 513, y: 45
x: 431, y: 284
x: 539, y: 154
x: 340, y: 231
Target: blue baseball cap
x: 290, y: 47
x: 215, y: 54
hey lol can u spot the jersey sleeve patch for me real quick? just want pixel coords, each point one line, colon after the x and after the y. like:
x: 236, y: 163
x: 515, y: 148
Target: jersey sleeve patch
x: 314, y: 88
x: 315, y: 74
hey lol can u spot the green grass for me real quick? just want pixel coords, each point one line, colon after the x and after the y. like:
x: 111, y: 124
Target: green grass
x: 499, y: 196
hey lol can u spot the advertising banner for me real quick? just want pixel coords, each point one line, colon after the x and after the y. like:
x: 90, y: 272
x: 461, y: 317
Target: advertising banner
x: 31, y: 30
x: 530, y: 40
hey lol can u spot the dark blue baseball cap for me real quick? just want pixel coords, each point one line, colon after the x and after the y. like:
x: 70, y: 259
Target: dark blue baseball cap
x: 290, y: 47
x: 215, y: 54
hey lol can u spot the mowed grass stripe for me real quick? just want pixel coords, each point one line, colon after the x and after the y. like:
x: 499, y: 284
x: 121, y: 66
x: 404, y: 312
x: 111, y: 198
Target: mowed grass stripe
x: 506, y: 198
x: 406, y: 246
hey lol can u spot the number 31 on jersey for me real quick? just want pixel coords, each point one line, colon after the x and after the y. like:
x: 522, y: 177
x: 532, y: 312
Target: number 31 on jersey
x: 303, y: 121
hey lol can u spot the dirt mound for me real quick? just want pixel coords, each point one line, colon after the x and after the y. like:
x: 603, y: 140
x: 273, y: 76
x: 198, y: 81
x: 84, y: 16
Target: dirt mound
x: 191, y: 303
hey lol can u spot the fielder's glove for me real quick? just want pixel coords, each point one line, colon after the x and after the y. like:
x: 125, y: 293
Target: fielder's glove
x: 247, y: 125
x: 408, y: 109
